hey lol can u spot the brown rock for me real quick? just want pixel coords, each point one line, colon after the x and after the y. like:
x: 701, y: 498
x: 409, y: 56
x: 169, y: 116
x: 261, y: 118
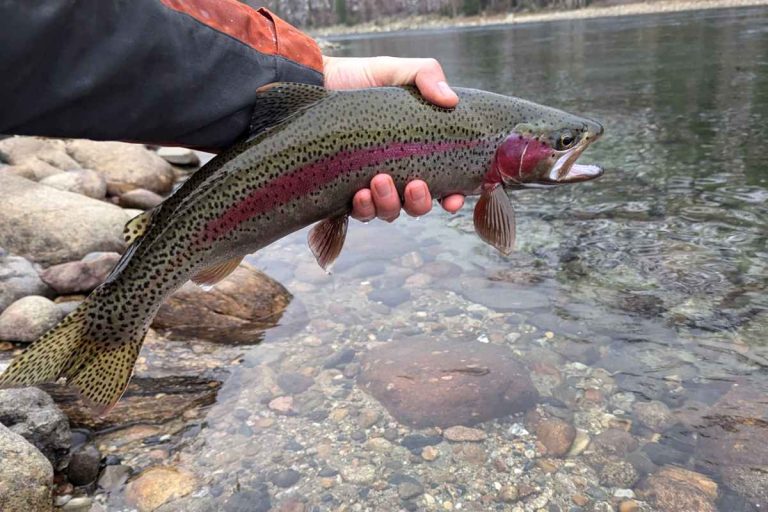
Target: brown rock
x: 554, y: 434
x: 158, y: 485
x: 509, y: 494
x: 282, y: 405
x: 654, y: 414
x: 125, y: 166
x: 51, y: 226
x: 141, y: 402
x: 237, y: 310
x: 629, y: 506
x: 619, y: 473
x: 26, y: 476
x: 674, y: 489
x: 430, y: 453
x: 470, y: 452
x: 80, y: 276
x: 751, y: 482
x: 424, y: 383
x: 464, y: 434
x: 140, y: 198
x: 28, y: 318
x: 368, y: 418
x: 580, y: 500
x: 614, y: 442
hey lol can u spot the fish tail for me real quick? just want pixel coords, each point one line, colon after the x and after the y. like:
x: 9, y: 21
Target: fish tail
x: 95, y: 356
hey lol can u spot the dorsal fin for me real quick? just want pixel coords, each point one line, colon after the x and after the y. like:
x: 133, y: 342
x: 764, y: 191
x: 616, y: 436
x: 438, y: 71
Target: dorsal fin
x: 278, y: 101
x: 137, y: 226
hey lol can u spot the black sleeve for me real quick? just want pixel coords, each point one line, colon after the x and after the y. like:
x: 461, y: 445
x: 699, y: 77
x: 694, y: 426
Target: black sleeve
x: 182, y: 72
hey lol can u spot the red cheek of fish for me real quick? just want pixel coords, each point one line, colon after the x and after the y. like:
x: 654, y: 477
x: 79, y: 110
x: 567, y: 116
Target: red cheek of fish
x: 518, y: 159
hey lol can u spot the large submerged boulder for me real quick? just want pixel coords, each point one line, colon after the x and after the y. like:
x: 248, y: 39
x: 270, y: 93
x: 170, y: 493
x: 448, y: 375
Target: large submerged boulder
x: 236, y: 310
x: 51, y: 226
x: 425, y: 383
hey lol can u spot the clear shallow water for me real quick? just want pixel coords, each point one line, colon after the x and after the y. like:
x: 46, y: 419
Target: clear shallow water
x: 649, y: 284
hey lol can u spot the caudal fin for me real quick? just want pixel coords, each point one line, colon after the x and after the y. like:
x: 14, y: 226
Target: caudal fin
x: 98, y: 368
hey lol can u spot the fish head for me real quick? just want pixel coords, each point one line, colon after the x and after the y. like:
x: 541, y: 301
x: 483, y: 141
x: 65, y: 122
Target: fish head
x: 543, y: 153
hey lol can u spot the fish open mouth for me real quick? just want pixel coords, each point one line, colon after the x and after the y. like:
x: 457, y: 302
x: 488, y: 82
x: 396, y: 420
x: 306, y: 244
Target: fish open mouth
x: 566, y: 170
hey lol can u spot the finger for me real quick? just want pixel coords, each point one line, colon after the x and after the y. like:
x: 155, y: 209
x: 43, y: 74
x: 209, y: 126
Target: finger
x: 453, y: 203
x: 362, y: 206
x: 385, y: 197
x: 432, y: 84
x: 418, y: 201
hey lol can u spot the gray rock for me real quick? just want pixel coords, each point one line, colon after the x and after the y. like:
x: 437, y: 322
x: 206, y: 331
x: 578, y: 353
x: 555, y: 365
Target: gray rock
x: 84, y: 465
x: 125, y: 166
x: 502, y: 297
x: 408, y: 490
x: 80, y: 181
x: 140, y: 198
x: 251, y: 500
x: 426, y: 383
x: 80, y: 276
x: 294, y: 382
x: 619, y: 474
x: 18, y: 278
x: 178, y: 156
x: 391, y: 297
x: 26, y: 476
x: 31, y: 413
x: 749, y: 482
x: 28, y: 318
x: 654, y: 414
x: 50, y: 226
x: 285, y: 478
x: 113, y: 477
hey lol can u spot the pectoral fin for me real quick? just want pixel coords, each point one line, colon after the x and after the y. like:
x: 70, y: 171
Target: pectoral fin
x: 326, y: 239
x: 137, y: 226
x: 212, y: 275
x: 495, y: 219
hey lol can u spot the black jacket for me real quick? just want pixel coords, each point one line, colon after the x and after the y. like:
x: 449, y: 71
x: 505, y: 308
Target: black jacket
x: 179, y: 72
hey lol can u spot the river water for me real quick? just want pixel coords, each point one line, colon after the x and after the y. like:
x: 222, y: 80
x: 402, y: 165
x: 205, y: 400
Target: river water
x: 649, y: 285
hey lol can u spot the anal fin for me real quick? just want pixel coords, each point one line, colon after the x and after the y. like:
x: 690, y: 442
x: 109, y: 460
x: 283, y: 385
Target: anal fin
x: 326, y: 239
x: 495, y: 219
x: 212, y: 275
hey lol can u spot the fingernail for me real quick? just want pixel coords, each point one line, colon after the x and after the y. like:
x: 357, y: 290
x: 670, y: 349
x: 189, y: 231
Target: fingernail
x: 445, y: 89
x: 418, y: 193
x: 383, y: 189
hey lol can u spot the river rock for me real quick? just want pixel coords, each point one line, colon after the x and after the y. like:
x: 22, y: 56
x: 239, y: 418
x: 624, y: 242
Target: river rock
x: 18, y: 278
x: 555, y: 434
x: 125, y: 166
x: 619, y: 473
x: 51, y: 226
x: 26, y: 476
x: 140, y: 198
x: 425, y: 383
x: 674, y: 489
x: 28, y: 318
x: 499, y: 296
x: 178, y: 156
x: 654, y: 414
x: 749, y: 482
x: 80, y: 276
x: 40, y: 157
x: 113, y: 477
x: 83, y: 465
x: 32, y: 414
x: 460, y: 433
x: 158, y: 485
x: 80, y: 181
x: 237, y: 310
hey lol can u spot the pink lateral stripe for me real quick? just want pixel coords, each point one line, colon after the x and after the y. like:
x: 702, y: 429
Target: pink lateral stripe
x: 311, y: 177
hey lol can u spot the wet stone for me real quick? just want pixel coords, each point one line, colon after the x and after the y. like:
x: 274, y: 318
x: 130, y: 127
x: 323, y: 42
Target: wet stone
x: 294, y: 382
x: 391, y: 297
x: 26, y: 476
x: 113, y: 477
x: 408, y: 490
x: 158, y: 485
x: 615, y: 442
x: 749, y: 482
x: 424, y: 383
x: 555, y: 434
x: 663, y: 455
x: 415, y: 442
x: 84, y: 465
x: 618, y: 474
x: 340, y: 358
x: 252, y: 500
x: 655, y: 415
x: 464, y: 434
x: 674, y: 489
x: 285, y: 478
x: 368, y: 418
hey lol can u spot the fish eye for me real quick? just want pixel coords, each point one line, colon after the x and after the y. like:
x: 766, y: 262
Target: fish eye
x: 566, y: 140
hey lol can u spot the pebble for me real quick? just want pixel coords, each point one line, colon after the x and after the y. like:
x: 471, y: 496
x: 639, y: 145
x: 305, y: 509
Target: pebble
x: 580, y: 499
x: 390, y: 297
x: 340, y: 358
x: 509, y: 494
x: 416, y: 442
x: 408, y: 490
x: 28, y: 318
x: 294, y: 383
x: 655, y: 415
x: 556, y: 435
x: 82, y: 504
x: 158, y: 485
x: 282, y: 405
x: 113, y: 477
x: 368, y: 418
x: 629, y: 506
x: 618, y: 474
x: 359, y: 474
x: 84, y: 465
x: 252, y: 500
x: 464, y: 434
x: 285, y: 478
x: 430, y: 453
x: 178, y: 156
x: 140, y: 198
x: 378, y: 445
x: 580, y: 443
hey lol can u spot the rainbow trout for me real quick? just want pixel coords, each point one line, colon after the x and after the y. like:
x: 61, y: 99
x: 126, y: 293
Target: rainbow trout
x: 313, y: 150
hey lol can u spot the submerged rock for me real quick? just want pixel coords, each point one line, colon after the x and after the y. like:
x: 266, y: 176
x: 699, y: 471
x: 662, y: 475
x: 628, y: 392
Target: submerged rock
x: 425, y: 383
x: 83, y: 466
x: 80, y: 276
x: 26, y: 476
x: 28, y: 318
x: 32, y: 414
x: 674, y: 489
x: 158, y: 485
x: 51, y: 226
x: 555, y: 434
x: 125, y: 166
x: 237, y: 310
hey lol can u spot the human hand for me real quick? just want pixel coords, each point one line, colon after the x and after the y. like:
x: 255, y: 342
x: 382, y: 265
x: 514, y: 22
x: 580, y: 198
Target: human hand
x: 382, y: 199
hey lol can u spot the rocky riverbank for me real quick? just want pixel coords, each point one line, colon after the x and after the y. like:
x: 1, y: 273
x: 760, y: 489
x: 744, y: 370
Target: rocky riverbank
x: 431, y: 22
x: 407, y: 380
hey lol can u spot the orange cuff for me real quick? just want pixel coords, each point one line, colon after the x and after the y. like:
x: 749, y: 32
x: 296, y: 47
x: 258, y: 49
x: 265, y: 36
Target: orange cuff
x: 259, y: 29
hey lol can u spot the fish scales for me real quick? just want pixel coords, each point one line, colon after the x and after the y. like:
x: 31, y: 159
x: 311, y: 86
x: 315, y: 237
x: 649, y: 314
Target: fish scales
x: 315, y: 150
